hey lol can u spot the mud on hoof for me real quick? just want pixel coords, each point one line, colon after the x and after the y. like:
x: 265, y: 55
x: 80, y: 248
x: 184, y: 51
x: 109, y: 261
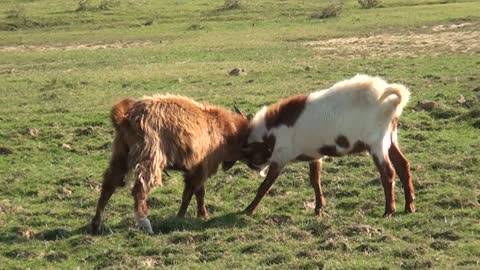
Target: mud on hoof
x: 144, y: 225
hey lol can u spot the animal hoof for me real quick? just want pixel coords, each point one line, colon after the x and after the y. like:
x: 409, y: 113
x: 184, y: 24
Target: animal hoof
x: 410, y: 208
x: 248, y: 212
x: 95, y: 228
x: 203, y: 215
x: 318, y: 211
x: 144, y: 225
x: 388, y: 214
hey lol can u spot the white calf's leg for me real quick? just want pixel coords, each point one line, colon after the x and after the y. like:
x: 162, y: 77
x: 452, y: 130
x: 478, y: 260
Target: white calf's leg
x: 273, y: 172
x: 387, y: 176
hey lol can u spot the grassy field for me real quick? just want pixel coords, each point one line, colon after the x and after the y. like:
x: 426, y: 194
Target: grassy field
x: 63, y: 64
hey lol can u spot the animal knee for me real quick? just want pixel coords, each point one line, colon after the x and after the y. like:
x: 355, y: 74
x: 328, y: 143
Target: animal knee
x: 389, y: 172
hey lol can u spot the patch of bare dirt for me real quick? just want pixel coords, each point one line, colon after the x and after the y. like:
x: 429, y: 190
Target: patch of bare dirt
x: 441, y: 39
x: 73, y: 47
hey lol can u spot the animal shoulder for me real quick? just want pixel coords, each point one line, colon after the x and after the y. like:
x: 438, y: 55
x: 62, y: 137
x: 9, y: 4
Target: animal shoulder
x: 285, y: 112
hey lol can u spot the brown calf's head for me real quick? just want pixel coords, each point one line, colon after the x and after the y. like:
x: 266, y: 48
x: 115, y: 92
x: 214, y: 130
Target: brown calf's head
x: 237, y: 140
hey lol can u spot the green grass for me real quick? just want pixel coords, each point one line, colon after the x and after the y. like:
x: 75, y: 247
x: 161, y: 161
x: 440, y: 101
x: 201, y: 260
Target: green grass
x: 63, y: 97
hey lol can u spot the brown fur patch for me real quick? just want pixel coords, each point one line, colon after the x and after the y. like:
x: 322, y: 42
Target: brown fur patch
x: 269, y: 141
x: 315, y: 169
x: 260, y: 152
x: 303, y: 157
x: 359, y: 147
x: 386, y: 175
x: 329, y: 150
x: 285, y: 112
x: 402, y: 168
x: 342, y: 141
x: 119, y: 112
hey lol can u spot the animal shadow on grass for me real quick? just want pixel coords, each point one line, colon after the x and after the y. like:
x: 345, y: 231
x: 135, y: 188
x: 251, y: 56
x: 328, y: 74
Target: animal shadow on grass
x: 160, y: 225
x: 16, y: 235
x: 173, y: 223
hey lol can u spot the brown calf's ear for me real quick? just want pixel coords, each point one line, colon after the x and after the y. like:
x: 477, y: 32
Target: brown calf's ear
x: 226, y: 165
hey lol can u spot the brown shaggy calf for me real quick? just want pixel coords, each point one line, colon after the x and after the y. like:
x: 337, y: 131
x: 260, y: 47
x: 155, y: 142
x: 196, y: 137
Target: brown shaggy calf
x: 169, y: 132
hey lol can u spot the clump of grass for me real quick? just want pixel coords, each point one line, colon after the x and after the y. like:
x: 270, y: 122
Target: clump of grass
x: 85, y: 5
x: 17, y: 18
x: 333, y: 9
x: 108, y: 4
x: 369, y: 3
x: 195, y: 27
x: 232, y: 4
x: 82, y: 5
x: 16, y: 13
x: 149, y: 22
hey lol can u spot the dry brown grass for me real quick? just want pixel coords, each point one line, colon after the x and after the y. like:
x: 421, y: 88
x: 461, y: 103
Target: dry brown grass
x: 441, y: 39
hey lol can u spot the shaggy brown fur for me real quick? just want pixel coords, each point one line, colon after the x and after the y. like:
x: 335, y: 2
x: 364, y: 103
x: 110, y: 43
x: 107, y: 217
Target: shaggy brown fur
x: 169, y: 132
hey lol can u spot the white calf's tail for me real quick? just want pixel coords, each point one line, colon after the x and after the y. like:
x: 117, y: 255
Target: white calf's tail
x: 394, y: 99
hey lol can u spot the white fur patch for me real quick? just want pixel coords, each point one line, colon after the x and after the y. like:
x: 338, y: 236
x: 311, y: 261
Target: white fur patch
x: 144, y: 224
x: 260, y: 125
x: 263, y: 172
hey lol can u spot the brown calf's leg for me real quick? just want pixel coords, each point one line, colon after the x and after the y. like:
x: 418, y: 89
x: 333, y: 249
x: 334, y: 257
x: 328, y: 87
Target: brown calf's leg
x: 402, y: 168
x: 387, y: 176
x: 140, y: 194
x: 273, y: 173
x: 193, y: 181
x: 112, y: 178
x: 315, y: 170
x: 147, y: 175
x: 202, y: 211
x: 186, y: 198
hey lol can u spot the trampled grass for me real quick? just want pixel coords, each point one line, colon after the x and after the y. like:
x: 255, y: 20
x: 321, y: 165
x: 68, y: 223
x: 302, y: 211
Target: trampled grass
x: 61, y: 70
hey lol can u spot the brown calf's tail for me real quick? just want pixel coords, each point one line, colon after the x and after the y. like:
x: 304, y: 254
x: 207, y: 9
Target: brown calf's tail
x: 119, y: 112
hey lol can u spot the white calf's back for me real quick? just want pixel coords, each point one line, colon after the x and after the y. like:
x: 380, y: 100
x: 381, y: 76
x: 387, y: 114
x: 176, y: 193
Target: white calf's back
x: 359, y: 109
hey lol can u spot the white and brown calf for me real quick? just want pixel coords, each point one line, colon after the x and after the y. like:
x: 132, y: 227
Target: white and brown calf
x: 355, y: 115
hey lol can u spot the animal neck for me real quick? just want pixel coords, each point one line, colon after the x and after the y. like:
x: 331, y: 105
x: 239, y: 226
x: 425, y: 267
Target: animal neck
x: 237, y: 130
